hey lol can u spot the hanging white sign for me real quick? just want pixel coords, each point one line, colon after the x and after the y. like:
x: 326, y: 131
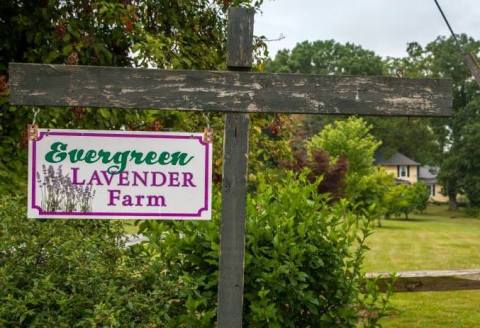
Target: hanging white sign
x: 93, y: 174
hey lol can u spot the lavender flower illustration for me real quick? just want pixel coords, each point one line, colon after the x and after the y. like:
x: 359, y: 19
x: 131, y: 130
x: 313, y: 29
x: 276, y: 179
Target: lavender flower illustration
x: 60, y: 194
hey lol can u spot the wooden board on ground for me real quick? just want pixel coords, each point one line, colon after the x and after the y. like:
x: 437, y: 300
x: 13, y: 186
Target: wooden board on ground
x: 429, y: 280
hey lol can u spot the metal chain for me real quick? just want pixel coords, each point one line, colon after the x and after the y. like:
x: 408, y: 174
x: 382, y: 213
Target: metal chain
x: 35, y: 111
x: 207, y: 119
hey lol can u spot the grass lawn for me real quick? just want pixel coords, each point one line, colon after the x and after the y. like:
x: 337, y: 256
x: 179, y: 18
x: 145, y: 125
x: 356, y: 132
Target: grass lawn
x: 435, y: 309
x: 433, y: 240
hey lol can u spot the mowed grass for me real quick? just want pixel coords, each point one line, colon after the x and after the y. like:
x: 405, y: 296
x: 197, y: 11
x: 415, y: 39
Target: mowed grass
x: 455, y: 309
x: 438, y: 239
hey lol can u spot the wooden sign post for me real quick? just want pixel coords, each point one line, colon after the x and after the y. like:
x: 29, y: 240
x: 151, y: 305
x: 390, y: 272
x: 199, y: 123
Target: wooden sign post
x: 234, y: 189
x: 237, y: 93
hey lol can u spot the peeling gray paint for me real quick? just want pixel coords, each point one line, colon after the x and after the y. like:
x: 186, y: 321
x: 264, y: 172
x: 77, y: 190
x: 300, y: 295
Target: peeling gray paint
x: 96, y: 86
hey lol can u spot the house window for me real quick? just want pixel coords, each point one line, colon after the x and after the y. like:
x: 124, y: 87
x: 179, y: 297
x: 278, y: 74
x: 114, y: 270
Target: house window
x: 403, y: 171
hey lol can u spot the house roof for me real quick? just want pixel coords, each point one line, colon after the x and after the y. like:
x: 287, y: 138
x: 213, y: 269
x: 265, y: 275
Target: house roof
x: 428, y: 173
x: 396, y: 159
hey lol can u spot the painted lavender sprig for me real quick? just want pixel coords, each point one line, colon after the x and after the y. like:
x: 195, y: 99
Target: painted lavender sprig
x: 60, y: 194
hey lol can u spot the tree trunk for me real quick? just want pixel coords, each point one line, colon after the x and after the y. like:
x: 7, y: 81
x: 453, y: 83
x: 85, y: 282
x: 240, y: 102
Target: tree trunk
x: 452, y: 202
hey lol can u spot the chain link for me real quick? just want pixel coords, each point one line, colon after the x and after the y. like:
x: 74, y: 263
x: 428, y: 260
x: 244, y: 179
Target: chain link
x: 35, y: 111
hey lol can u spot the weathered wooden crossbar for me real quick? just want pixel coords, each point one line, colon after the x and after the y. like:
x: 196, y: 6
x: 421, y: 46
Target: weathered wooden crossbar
x: 227, y: 91
x: 429, y: 280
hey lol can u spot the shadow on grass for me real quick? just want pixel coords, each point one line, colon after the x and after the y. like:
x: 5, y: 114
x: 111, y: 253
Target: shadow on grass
x: 384, y: 227
x: 411, y: 219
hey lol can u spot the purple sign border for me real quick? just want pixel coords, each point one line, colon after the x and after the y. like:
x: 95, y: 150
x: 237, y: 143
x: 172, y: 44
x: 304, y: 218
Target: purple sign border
x: 121, y: 135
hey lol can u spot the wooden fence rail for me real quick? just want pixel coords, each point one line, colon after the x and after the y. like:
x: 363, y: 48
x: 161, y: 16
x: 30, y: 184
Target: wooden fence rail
x: 429, y: 280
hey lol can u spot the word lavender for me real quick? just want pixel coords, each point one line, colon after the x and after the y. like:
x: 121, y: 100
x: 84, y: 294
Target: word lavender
x: 134, y: 179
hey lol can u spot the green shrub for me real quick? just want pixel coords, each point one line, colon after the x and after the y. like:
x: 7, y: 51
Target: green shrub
x: 55, y: 273
x: 418, y: 196
x: 350, y: 139
x: 302, y: 266
x: 365, y: 185
x: 302, y: 261
x: 396, y: 201
x: 404, y: 199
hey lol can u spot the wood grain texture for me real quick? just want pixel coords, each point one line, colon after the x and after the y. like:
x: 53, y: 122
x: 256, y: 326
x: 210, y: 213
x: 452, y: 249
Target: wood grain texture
x: 240, y: 37
x: 473, y: 66
x: 96, y: 86
x: 232, y: 230
x: 234, y: 183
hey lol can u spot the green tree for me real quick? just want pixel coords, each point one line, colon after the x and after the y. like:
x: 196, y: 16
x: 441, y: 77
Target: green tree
x: 397, y: 201
x: 402, y: 199
x: 180, y: 34
x: 327, y: 57
x: 467, y: 155
x: 351, y: 139
x: 413, y: 137
x: 447, y: 61
x: 418, y: 196
x: 365, y: 184
x: 443, y: 59
x: 370, y: 190
x: 449, y: 178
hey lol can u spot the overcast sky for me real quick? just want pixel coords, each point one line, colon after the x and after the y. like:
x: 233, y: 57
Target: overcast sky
x: 384, y: 26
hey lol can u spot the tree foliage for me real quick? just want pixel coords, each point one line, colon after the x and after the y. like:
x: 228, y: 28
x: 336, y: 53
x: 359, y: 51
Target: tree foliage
x: 418, y: 196
x: 463, y: 165
x: 430, y: 141
x: 413, y: 137
x: 327, y: 57
x: 443, y: 59
x: 331, y: 174
x: 148, y: 33
x: 350, y: 139
x: 416, y: 138
x: 402, y: 199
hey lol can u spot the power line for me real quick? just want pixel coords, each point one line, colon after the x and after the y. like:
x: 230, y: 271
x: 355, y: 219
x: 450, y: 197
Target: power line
x: 446, y: 21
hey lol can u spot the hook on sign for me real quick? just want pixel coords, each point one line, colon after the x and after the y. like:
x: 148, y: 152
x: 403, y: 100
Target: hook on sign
x: 32, y: 129
x: 208, y: 135
x: 208, y: 132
